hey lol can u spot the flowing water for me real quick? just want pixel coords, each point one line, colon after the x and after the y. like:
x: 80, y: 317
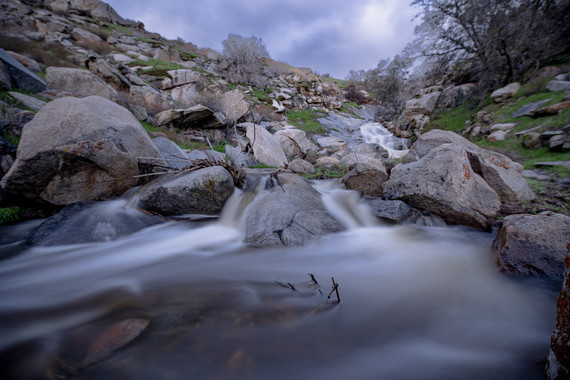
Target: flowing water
x: 415, y: 303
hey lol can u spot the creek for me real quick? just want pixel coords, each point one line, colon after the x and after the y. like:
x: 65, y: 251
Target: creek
x: 416, y: 302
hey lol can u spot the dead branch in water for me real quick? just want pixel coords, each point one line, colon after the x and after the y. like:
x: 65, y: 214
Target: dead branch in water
x: 334, y: 289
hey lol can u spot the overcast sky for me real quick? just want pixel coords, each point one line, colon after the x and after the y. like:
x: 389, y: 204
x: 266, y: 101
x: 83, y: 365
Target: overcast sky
x: 329, y: 36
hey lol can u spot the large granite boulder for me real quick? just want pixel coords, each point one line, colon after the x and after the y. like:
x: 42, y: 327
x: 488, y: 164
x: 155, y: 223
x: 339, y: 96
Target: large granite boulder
x: 444, y: 183
x: 174, y: 156
x: 423, y: 105
x: 504, y: 93
x: 367, y: 175
x: 197, y: 116
x: 266, y: 147
x: 98, y: 10
x: 20, y: 76
x: 89, y: 222
x: 533, y: 245
x: 455, y: 96
x: 294, y: 142
x: 499, y: 171
x: 558, y: 364
x: 290, y: 212
x: 81, y: 83
x: 78, y: 149
x: 234, y: 105
x: 108, y: 73
x: 203, y: 191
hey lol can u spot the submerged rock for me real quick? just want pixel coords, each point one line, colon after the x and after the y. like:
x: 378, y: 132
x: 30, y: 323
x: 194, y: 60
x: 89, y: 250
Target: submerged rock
x: 533, y: 245
x: 558, y: 365
x: 290, y: 212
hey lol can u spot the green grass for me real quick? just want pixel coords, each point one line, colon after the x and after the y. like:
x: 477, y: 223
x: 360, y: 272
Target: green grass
x: 9, y: 215
x: 114, y: 28
x: 159, y: 67
x: 262, y: 166
x: 341, y: 83
x: 306, y: 120
x: 154, y: 43
x: 334, y: 171
x: 453, y: 120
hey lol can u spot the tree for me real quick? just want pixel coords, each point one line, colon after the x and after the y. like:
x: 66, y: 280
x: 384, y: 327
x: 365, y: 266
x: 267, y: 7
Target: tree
x: 492, y: 41
x: 243, y: 59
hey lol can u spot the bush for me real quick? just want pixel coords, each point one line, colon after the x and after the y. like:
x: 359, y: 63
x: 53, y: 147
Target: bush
x: 243, y: 59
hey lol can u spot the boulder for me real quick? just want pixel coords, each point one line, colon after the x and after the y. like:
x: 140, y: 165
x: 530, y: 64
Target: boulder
x: 29, y: 63
x: 79, y: 34
x: 558, y: 364
x: 20, y: 76
x: 239, y: 158
x: 558, y: 85
x: 81, y: 83
x: 98, y: 10
x: 5, y: 80
x: 498, y: 135
x: 533, y: 245
x: 502, y: 127
x: 295, y: 142
x: 301, y: 166
x: 444, y: 183
x: 108, y: 73
x: 350, y: 160
x: 234, y: 105
x: 174, y: 156
x: 367, y: 179
x: 327, y: 162
x: 393, y: 212
x: 150, y: 98
x: 455, y: 96
x: 499, y: 171
x: 553, y: 109
x: 197, y: 116
x: 527, y: 109
x: 332, y: 144
x: 423, y: 105
x: 266, y: 147
x: 506, y: 92
x: 28, y: 101
x: 183, y: 76
x: 90, y: 222
x: 289, y: 212
x: 78, y: 149
x: 167, y: 54
x: 202, y: 191
x: 186, y: 94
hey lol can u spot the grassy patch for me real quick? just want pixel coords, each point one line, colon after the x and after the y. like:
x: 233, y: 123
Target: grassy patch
x: 115, y: 28
x: 306, y: 120
x: 9, y: 215
x: 221, y: 147
x: 341, y: 83
x: 453, y: 120
x: 262, y: 166
x: 159, y: 67
x: 334, y: 171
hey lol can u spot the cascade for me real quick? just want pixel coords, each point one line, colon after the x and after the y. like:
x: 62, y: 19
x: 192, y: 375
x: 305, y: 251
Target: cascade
x: 375, y: 133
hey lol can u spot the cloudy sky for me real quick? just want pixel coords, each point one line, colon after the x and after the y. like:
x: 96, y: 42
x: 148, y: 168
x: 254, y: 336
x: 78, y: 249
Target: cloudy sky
x: 329, y: 36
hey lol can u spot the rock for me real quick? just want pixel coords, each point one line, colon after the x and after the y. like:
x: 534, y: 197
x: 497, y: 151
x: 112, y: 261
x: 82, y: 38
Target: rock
x: 28, y: 101
x: 289, y: 213
x: 21, y: 77
x: 5, y: 80
x: 98, y: 10
x: 197, y: 116
x: 503, y: 127
x: 108, y: 73
x: 506, y: 92
x: 182, y: 76
x: 79, y: 34
x: 499, y: 171
x: 523, y: 248
x: 295, y: 142
x: 393, y: 212
x: 118, y: 335
x: 498, y: 135
x: 29, y: 63
x: 202, y: 191
x: 186, y: 94
x: 424, y: 105
x: 558, y: 364
x: 527, y: 109
x: 301, y: 166
x: 234, y: 106
x: 81, y: 83
x: 558, y: 85
x: 167, y: 54
x: 531, y: 140
x: 352, y: 159
x: 90, y: 222
x: 556, y: 143
x: 332, y: 144
x: 76, y: 149
x: 367, y: 179
x: 266, y: 147
x: 238, y: 158
x: 327, y: 162
x: 174, y: 156
x: 550, y: 110
x: 149, y: 97
x: 484, y: 118
x: 553, y: 163
x: 455, y: 96
x: 538, y: 175
x: 444, y: 183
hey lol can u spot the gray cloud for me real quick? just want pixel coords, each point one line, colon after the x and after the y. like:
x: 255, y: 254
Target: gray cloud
x: 330, y: 36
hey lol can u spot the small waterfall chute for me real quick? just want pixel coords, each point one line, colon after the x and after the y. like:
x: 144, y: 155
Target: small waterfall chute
x: 375, y: 133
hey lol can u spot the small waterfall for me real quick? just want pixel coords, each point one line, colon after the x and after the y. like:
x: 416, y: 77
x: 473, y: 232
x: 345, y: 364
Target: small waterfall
x: 345, y: 205
x: 375, y: 133
x: 236, y: 206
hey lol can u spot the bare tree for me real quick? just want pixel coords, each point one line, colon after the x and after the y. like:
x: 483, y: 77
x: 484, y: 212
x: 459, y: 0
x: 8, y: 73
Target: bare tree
x: 243, y: 59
